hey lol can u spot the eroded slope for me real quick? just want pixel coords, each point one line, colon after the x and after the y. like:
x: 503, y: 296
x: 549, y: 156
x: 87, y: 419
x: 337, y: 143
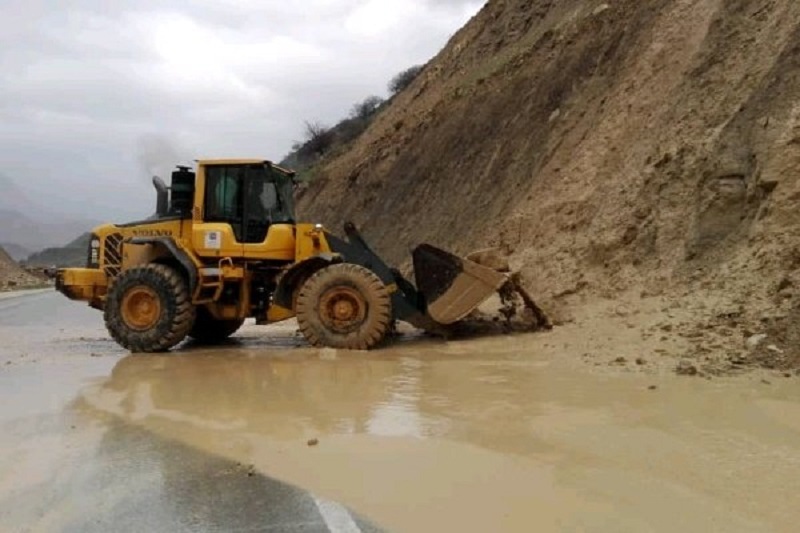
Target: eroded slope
x: 609, y: 146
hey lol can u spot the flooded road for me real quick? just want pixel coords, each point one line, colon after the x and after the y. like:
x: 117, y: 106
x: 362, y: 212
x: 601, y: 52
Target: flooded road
x: 496, y: 434
x: 63, y: 468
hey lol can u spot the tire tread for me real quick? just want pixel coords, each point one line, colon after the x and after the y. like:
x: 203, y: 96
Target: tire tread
x: 379, y: 315
x: 176, y: 300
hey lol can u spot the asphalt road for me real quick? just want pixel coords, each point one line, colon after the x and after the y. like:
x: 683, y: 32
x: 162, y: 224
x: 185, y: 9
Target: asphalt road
x: 62, y: 469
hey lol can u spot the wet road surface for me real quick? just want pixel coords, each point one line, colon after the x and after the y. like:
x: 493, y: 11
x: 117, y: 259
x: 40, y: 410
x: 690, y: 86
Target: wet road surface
x: 480, y: 435
x: 65, y: 469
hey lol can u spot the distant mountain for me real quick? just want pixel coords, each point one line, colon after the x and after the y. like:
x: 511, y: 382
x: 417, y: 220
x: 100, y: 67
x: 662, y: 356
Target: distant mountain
x: 17, y: 252
x: 36, y: 231
x: 31, y: 225
x: 71, y: 255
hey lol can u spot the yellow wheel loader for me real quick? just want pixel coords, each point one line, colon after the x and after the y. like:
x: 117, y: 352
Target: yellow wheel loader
x: 224, y: 246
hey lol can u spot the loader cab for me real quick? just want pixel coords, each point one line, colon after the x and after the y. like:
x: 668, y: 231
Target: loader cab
x: 244, y: 209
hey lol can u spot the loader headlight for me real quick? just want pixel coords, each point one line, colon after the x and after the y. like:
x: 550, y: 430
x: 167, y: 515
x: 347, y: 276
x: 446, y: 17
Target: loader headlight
x: 94, y: 252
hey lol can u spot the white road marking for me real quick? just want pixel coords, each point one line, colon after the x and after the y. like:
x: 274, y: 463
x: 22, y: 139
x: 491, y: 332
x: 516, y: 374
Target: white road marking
x: 336, y: 517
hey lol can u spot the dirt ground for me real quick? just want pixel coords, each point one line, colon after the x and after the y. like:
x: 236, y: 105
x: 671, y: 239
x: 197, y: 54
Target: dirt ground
x: 698, y: 335
x: 615, y: 150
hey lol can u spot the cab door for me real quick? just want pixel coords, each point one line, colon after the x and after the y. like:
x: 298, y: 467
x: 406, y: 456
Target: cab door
x: 219, y: 220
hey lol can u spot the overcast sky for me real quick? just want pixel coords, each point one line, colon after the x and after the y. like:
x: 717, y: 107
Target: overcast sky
x: 86, y: 84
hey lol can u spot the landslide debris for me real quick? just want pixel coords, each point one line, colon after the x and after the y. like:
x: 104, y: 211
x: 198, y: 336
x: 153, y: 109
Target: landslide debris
x: 610, y: 148
x: 12, y: 276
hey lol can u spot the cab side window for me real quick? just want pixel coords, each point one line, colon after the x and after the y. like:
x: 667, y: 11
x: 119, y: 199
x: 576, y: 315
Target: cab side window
x: 223, y: 202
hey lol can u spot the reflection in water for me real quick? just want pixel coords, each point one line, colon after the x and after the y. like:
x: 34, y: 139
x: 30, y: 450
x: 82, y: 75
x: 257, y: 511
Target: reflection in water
x: 481, y: 429
x: 399, y: 414
x: 287, y: 397
x: 424, y: 392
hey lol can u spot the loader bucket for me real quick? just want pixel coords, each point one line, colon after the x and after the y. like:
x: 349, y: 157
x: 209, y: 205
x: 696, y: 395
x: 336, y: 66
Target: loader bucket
x: 451, y: 286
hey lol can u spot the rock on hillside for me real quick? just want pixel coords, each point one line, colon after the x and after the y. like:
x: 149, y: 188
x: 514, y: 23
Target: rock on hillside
x: 13, y: 276
x: 17, y: 252
x: 610, y: 146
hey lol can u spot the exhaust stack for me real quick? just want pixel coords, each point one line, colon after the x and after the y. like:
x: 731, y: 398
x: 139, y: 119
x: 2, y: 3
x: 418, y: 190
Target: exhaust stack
x: 162, y: 196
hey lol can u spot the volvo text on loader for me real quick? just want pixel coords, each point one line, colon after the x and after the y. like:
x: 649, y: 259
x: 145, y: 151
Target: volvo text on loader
x: 224, y: 246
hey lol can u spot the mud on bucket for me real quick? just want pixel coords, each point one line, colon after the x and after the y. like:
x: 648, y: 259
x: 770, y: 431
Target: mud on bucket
x: 452, y: 287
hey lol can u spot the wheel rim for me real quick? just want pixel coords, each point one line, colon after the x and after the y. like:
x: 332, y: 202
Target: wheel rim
x: 141, y: 308
x: 342, y: 309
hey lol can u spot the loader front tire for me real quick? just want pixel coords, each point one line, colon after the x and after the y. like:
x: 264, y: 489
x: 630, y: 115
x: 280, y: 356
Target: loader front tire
x: 149, y: 308
x: 344, y: 306
x: 209, y: 330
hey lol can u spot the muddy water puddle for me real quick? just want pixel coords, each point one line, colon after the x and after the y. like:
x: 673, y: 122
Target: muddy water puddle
x: 478, y: 435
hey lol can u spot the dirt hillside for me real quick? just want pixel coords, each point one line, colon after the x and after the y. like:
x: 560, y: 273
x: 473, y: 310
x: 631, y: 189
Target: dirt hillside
x: 12, y: 276
x: 620, y: 147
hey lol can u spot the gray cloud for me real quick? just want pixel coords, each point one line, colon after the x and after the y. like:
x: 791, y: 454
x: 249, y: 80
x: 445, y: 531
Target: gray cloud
x: 82, y: 84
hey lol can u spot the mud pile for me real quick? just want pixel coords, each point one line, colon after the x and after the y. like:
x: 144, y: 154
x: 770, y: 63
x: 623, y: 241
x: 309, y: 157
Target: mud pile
x: 609, y: 147
x: 12, y: 276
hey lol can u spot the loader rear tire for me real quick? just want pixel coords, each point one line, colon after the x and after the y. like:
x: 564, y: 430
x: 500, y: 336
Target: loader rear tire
x: 344, y: 306
x: 209, y: 330
x: 149, y: 309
